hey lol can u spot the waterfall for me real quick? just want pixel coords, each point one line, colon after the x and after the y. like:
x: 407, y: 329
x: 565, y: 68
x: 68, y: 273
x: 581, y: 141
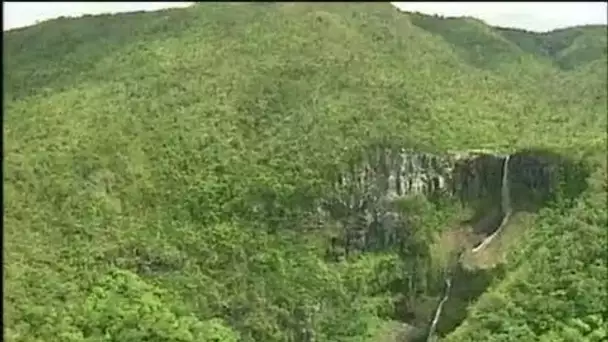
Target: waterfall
x: 448, y: 284
x: 505, y: 199
x: 505, y: 205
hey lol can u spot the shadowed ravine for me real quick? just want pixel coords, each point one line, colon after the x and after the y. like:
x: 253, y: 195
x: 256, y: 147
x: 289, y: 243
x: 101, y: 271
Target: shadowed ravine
x: 505, y: 205
x: 493, y: 186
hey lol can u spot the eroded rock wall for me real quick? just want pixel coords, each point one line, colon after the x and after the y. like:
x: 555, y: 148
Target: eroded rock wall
x: 367, y: 187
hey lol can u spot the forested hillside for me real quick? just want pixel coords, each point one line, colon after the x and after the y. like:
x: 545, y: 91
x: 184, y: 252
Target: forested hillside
x: 303, y: 172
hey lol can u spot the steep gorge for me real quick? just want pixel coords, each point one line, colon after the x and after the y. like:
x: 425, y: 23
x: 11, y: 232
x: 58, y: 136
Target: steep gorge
x: 505, y: 206
x: 489, y: 188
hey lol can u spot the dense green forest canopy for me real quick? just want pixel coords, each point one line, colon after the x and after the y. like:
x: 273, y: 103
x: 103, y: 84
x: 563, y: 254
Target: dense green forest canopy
x: 162, y: 174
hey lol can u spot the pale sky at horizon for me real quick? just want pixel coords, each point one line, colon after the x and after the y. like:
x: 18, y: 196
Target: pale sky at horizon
x: 533, y: 16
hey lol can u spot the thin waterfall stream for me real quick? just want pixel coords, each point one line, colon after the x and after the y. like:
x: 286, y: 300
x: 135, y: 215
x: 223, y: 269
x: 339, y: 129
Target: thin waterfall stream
x: 505, y: 203
x: 478, y: 191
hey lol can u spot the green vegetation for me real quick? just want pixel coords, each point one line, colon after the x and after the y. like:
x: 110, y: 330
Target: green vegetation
x: 163, y: 172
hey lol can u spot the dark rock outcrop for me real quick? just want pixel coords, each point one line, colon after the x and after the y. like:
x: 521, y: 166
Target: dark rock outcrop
x: 368, y: 186
x: 491, y: 184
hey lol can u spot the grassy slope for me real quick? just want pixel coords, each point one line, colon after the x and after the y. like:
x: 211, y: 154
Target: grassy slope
x: 146, y: 142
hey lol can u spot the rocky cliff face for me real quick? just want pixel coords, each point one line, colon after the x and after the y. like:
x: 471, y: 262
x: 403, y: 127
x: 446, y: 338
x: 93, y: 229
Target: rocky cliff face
x: 368, y: 186
x: 392, y: 174
x: 493, y: 185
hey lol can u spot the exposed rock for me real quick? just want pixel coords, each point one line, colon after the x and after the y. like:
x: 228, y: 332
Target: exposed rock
x: 492, y: 184
x: 368, y: 186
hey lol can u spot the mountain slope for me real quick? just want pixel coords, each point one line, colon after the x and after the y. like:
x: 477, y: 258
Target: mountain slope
x: 171, y: 163
x: 568, y: 48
